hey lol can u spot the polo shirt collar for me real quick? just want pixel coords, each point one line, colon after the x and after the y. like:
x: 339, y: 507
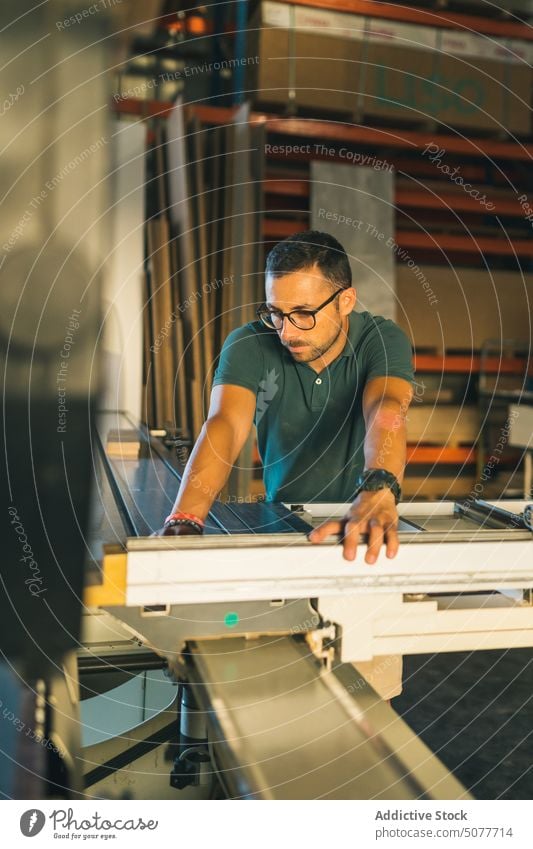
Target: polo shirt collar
x: 354, y: 331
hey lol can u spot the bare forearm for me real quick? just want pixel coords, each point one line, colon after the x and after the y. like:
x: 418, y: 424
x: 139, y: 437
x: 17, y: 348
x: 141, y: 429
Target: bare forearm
x: 386, y: 437
x: 208, y: 467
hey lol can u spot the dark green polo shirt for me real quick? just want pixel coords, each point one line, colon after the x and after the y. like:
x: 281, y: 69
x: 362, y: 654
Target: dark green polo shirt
x: 310, y: 427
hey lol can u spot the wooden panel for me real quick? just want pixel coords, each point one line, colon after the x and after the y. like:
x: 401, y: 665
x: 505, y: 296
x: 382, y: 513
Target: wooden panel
x: 161, y: 311
x: 182, y: 224
x: 147, y: 399
x: 195, y: 168
x: 258, y: 138
x: 239, y: 296
x: 219, y: 231
x: 183, y: 413
x: 227, y: 293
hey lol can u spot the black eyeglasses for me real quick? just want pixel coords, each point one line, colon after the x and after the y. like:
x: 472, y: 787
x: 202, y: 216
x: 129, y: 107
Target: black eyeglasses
x: 302, y: 319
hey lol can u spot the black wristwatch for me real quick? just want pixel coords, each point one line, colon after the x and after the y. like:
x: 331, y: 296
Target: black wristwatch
x: 372, y: 480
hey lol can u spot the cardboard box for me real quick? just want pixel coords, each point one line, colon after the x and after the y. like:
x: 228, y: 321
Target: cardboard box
x: 443, y: 424
x: 320, y: 59
x: 323, y: 72
x: 472, y: 306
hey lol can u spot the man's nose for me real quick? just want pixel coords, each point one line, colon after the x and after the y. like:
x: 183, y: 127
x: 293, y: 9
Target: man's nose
x: 285, y: 331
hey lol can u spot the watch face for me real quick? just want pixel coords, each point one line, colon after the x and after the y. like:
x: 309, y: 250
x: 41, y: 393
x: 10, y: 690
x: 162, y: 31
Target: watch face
x: 375, y: 479
x: 375, y: 484
x: 379, y: 476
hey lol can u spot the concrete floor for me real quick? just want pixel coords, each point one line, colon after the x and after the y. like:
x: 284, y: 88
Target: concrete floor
x: 475, y: 711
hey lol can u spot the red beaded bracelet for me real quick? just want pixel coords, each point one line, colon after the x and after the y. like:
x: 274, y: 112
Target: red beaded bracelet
x: 189, y: 516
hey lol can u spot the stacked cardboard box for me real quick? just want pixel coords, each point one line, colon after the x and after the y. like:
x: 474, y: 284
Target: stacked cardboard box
x: 320, y: 59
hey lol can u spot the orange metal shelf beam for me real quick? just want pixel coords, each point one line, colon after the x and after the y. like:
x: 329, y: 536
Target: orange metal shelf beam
x: 420, y: 166
x: 427, y: 17
x: 161, y: 108
x: 396, y: 137
x: 462, y: 364
x: 274, y: 228
x: 336, y: 131
x: 454, y: 201
x: 406, y: 197
x: 464, y: 244
x: 289, y: 188
x: 142, y: 108
x: 438, y: 454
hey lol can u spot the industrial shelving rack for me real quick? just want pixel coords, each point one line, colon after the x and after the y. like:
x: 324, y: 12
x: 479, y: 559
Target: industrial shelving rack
x: 497, y: 164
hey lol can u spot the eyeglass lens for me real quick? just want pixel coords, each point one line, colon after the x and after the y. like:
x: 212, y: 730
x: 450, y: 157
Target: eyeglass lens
x: 302, y: 320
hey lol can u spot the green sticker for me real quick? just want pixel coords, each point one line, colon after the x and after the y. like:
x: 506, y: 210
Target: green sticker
x: 231, y: 619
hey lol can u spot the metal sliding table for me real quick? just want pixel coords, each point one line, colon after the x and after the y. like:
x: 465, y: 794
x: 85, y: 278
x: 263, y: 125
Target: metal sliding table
x: 265, y: 627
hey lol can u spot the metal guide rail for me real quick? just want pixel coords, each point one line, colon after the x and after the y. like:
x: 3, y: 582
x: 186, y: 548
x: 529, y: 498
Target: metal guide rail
x: 284, y: 727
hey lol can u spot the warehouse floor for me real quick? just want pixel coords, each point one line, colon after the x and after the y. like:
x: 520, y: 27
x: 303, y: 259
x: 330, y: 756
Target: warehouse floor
x: 475, y: 711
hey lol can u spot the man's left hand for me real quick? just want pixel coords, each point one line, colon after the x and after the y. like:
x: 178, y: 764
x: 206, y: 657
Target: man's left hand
x: 372, y: 513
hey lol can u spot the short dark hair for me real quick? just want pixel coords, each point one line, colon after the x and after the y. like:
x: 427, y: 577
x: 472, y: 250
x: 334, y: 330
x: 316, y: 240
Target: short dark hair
x: 307, y: 249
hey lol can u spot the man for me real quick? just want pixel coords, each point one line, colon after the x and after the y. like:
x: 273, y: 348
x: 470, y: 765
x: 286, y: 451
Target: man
x: 328, y: 389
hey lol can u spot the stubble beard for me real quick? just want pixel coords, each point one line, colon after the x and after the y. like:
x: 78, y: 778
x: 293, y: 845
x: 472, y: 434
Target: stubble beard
x: 310, y: 353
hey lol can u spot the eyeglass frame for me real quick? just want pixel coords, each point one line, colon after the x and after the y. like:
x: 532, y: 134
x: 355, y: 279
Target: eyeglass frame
x: 288, y: 314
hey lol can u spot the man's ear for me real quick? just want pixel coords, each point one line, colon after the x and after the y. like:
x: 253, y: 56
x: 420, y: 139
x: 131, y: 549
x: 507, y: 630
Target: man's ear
x: 348, y: 300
